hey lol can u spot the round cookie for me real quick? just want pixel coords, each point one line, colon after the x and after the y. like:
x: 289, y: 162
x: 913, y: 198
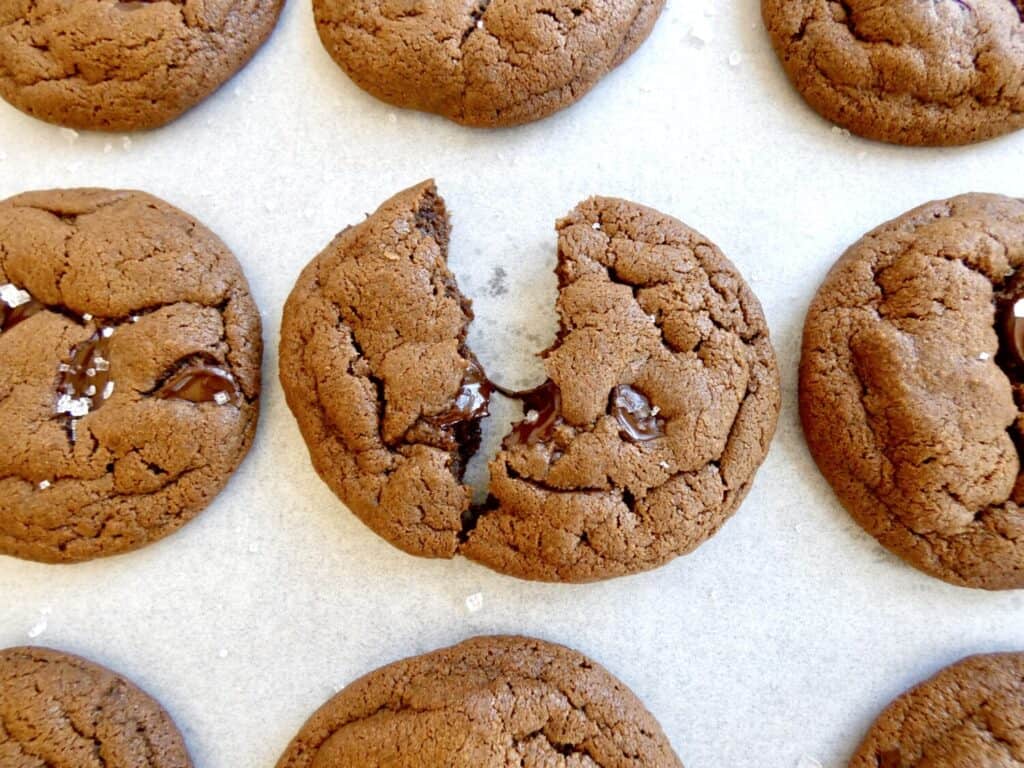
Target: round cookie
x: 969, y: 714
x: 111, y: 65
x: 661, y: 400
x: 486, y: 63
x: 489, y: 702
x: 912, y: 382
x: 918, y: 72
x: 60, y: 710
x: 129, y: 371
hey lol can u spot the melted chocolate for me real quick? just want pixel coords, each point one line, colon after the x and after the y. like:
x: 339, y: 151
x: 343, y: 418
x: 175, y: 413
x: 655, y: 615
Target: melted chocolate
x: 85, y: 380
x: 638, y: 421
x: 200, y: 383
x: 543, y: 408
x: 1011, y: 332
x: 471, y: 403
x: 11, y: 316
x: 891, y: 758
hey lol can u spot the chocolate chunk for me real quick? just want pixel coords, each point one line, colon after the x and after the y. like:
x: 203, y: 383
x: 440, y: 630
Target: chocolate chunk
x: 1011, y: 331
x: 891, y: 758
x: 11, y: 316
x: 638, y: 420
x: 201, y: 383
x: 85, y: 381
x: 543, y: 408
x: 472, y: 401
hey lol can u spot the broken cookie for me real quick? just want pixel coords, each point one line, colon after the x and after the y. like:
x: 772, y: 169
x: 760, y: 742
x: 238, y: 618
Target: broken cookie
x: 661, y: 399
x: 484, y: 63
x: 114, y: 65
x: 494, y: 702
x: 129, y: 371
x: 921, y: 72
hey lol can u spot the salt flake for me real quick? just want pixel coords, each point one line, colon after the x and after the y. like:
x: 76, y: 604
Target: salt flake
x: 44, y: 484
x: 108, y: 390
x: 221, y: 398
x: 13, y: 296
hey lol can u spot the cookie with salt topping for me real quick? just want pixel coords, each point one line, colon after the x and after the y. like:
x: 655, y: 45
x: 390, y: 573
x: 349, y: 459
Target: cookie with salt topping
x: 129, y: 371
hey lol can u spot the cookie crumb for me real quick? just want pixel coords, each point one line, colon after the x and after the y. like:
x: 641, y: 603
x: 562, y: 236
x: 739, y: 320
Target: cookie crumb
x: 70, y: 135
x: 475, y: 602
x: 837, y: 131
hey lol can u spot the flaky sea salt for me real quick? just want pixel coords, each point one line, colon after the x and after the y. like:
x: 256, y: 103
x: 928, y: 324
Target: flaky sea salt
x: 221, y: 398
x: 1018, y: 308
x: 101, y: 363
x: 44, y: 484
x: 596, y: 225
x: 531, y: 417
x: 108, y: 390
x: 663, y: 464
x: 107, y: 333
x: 86, y: 317
x: 475, y: 602
x: 75, y: 407
x: 13, y: 296
x: 40, y: 626
x: 984, y: 356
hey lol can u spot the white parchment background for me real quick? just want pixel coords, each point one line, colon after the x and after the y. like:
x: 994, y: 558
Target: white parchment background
x: 779, y: 640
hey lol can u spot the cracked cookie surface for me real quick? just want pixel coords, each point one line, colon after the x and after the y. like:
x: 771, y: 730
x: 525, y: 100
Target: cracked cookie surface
x: 661, y: 400
x: 910, y: 405
x: 493, y: 702
x: 918, y: 72
x: 482, y: 62
x: 62, y: 711
x: 129, y: 371
x: 969, y: 714
x: 117, y: 65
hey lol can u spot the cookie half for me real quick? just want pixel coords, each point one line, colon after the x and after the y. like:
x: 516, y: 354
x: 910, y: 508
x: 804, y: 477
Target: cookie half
x: 58, y: 709
x: 489, y: 701
x: 124, y: 66
x: 969, y: 714
x: 912, y: 383
x: 129, y: 371
x: 486, y: 63
x: 932, y: 72
x: 661, y: 400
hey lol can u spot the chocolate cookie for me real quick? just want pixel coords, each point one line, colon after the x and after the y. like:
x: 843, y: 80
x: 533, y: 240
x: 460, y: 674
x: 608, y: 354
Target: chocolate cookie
x: 488, y: 702
x: 661, y: 399
x: 60, y: 710
x: 129, y: 371
x: 484, y: 63
x: 931, y: 72
x: 912, y: 384
x: 970, y: 715
x: 113, y: 65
